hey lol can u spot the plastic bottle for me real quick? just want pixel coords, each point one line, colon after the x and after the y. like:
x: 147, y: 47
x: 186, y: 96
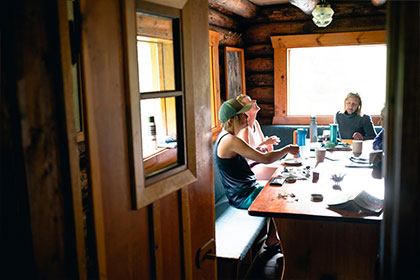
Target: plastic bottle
x: 313, y: 130
x: 152, y: 132
x: 301, y: 141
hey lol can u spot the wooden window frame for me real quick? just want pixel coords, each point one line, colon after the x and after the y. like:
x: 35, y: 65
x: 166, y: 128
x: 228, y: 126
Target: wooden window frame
x: 281, y: 44
x: 147, y: 191
x: 214, y: 38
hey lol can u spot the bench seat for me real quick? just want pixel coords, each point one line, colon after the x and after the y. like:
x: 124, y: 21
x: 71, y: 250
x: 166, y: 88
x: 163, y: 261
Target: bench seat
x: 236, y: 230
x: 237, y: 235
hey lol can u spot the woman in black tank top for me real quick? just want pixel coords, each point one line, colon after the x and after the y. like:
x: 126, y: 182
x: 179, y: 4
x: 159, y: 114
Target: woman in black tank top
x: 229, y: 155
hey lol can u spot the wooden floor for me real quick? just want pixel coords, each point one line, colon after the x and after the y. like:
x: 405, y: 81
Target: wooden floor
x: 266, y: 267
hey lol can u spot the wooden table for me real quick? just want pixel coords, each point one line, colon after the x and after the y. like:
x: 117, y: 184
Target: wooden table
x: 319, y: 242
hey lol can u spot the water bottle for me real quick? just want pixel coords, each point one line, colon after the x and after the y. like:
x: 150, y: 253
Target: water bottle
x: 313, y: 130
x: 301, y: 141
x: 333, y: 133
x: 301, y: 136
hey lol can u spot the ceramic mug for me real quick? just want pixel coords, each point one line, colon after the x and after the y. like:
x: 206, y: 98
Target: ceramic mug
x: 357, y: 147
x: 320, y: 154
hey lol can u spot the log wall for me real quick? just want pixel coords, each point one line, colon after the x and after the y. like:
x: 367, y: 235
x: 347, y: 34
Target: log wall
x: 228, y: 19
x: 286, y: 19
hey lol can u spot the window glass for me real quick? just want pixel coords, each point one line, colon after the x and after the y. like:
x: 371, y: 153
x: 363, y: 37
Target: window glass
x: 321, y: 77
x: 155, y: 52
x: 158, y: 120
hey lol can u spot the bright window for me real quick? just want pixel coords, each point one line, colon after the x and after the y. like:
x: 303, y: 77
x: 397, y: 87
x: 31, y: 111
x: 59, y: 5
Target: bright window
x: 321, y: 77
x: 156, y: 58
x: 314, y: 72
x: 161, y: 95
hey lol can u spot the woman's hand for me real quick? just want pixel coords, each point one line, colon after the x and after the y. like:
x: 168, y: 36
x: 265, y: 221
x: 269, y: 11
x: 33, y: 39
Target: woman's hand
x: 357, y: 136
x: 262, y: 148
x: 272, y: 140
x: 293, y: 149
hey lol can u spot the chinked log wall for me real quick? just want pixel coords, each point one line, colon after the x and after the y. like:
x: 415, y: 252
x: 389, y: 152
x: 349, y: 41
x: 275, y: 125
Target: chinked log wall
x: 286, y: 19
x: 227, y: 18
x: 242, y: 24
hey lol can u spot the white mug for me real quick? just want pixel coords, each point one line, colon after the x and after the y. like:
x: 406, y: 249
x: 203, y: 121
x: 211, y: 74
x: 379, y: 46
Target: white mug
x: 357, y: 147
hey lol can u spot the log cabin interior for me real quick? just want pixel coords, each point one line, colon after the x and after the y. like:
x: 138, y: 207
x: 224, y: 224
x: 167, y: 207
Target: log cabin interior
x: 82, y: 199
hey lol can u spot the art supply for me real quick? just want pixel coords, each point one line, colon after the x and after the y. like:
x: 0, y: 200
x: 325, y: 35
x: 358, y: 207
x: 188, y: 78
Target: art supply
x: 317, y: 197
x: 278, y: 181
x: 333, y: 133
x: 313, y: 130
x: 315, y: 176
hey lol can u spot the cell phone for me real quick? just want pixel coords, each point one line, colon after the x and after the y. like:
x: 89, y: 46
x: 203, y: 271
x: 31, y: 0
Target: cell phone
x: 278, y: 181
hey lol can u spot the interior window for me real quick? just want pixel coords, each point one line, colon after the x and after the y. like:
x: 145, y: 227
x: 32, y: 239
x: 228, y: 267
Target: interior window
x: 330, y: 73
x: 161, y: 96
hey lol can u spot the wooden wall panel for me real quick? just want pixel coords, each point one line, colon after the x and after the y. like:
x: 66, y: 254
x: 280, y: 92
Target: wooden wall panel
x: 140, y: 262
x: 198, y: 198
x: 107, y: 139
x: 158, y: 241
x: 401, y: 227
x: 168, y: 236
x: 37, y: 231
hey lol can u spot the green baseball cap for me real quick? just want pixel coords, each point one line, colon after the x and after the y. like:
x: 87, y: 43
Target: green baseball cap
x: 231, y: 108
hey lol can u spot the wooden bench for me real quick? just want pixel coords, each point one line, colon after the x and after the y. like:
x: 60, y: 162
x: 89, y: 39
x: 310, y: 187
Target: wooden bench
x: 239, y: 236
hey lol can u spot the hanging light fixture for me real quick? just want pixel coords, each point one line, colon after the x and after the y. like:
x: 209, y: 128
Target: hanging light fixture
x: 322, y: 14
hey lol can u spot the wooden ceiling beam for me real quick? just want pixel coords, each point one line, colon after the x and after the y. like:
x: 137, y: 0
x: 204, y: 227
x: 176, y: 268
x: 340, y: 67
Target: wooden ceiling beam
x: 243, y: 8
x: 287, y: 12
x: 307, y: 6
x: 218, y: 19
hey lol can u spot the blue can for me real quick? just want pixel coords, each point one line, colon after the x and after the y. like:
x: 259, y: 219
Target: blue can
x: 333, y: 133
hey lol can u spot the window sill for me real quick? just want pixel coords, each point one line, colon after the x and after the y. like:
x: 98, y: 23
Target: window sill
x: 163, y: 157
x: 320, y: 120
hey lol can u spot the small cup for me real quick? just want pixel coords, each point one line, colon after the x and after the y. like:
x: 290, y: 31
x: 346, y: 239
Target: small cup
x: 320, y: 154
x: 315, y: 176
x: 375, y: 158
x: 357, y: 147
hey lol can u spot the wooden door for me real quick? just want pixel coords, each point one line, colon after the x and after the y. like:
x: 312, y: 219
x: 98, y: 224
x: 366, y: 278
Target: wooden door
x: 161, y: 239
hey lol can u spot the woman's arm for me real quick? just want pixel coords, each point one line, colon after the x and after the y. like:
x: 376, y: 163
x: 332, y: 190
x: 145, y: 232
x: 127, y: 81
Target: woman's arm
x: 368, y: 128
x: 238, y: 146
